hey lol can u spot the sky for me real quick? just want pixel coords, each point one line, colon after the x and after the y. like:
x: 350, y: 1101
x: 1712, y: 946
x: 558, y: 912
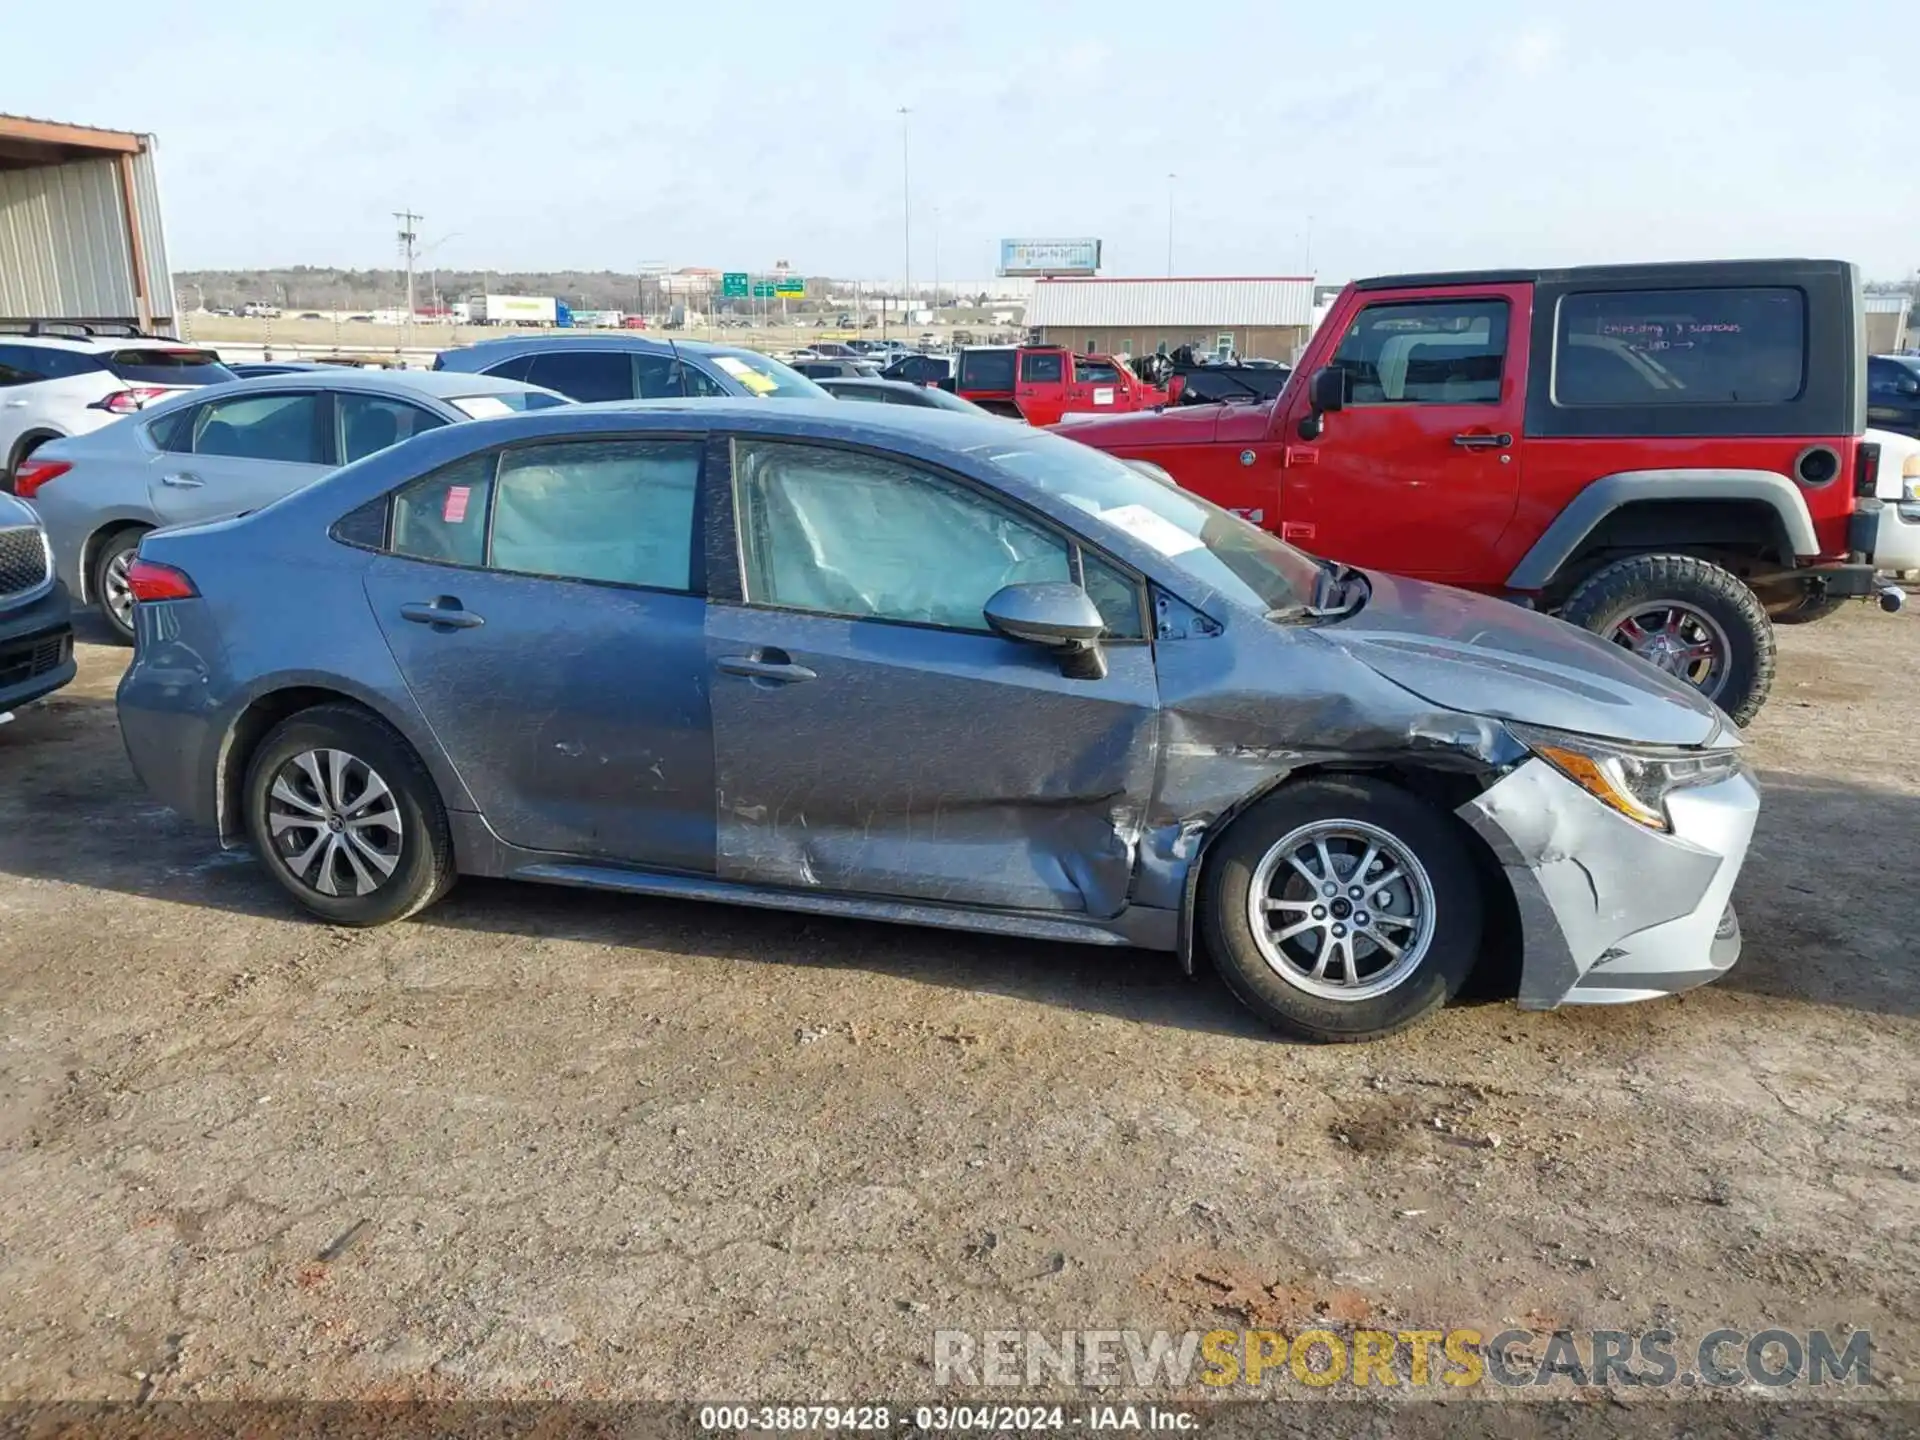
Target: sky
x: 1337, y: 140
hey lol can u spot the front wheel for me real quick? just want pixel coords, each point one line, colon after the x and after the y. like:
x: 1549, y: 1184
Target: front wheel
x: 1343, y: 909
x: 1689, y: 617
x: 345, y: 816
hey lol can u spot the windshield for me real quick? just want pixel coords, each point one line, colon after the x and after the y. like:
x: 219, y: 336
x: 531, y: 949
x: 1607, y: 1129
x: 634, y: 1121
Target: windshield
x: 504, y: 402
x: 761, y: 376
x: 168, y: 367
x: 940, y: 399
x: 1214, y: 546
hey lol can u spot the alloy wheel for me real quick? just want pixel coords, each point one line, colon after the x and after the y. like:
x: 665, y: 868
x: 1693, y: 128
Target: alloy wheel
x: 119, y: 592
x: 334, y: 823
x: 1679, y: 638
x: 1341, y: 910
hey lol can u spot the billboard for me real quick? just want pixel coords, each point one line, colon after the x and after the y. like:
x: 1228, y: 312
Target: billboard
x: 1049, y: 257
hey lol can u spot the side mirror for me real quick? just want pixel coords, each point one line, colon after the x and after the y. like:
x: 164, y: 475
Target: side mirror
x: 1326, y: 393
x: 1056, y: 614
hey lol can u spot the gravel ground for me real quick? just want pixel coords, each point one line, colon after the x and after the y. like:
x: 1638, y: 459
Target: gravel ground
x: 541, y: 1142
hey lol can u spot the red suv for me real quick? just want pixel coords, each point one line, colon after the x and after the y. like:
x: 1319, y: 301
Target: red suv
x: 1669, y: 455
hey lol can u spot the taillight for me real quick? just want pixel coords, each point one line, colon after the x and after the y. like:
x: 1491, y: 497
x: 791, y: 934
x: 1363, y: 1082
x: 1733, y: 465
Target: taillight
x: 1866, y: 468
x: 31, y: 474
x: 125, y: 402
x: 150, y: 580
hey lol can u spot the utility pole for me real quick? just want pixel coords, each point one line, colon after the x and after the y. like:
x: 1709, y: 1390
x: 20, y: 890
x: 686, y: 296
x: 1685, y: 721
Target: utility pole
x: 409, y: 236
x: 1171, y: 177
x: 906, y: 210
x: 936, y: 262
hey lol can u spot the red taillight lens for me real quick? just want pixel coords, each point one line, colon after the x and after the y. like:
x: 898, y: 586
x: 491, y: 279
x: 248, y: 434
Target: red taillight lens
x: 150, y: 580
x: 32, y: 474
x: 125, y: 402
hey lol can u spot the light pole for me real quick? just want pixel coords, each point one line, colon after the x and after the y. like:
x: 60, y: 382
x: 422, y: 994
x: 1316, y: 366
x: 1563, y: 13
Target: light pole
x: 906, y: 210
x: 936, y: 262
x: 433, y: 270
x: 1171, y: 177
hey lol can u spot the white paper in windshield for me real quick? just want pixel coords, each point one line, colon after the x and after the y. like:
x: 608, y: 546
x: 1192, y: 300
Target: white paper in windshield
x: 1155, y: 530
x: 483, y: 407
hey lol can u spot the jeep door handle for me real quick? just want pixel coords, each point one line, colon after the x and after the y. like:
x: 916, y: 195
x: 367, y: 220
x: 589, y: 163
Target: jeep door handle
x: 774, y: 665
x: 444, y: 612
x: 1483, y: 442
x: 183, y: 480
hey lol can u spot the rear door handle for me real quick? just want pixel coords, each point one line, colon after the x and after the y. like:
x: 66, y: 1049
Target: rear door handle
x: 774, y: 665
x: 445, y: 613
x: 1483, y: 442
x: 183, y: 480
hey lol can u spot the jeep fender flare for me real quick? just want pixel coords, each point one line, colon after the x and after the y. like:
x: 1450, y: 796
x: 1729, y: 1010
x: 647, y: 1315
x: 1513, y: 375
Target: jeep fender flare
x: 1563, y: 538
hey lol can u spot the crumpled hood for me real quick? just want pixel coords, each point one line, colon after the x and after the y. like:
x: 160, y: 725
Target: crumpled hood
x: 1489, y: 657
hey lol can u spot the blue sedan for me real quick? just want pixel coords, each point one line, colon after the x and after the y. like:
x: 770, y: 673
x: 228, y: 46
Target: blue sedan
x: 928, y: 668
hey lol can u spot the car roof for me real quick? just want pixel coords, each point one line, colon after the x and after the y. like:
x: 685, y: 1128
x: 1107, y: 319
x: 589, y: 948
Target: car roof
x: 438, y: 383
x: 1664, y: 273
x: 867, y: 382
x: 601, y: 340
x: 1912, y: 362
x: 90, y: 344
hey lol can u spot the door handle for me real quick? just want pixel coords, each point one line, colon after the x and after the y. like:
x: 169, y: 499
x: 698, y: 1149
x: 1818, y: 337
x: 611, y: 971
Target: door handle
x: 444, y: 613
x: 16, y: 404
x: 183, y: 480
x: 769, y: 664
x: 1483, y: 442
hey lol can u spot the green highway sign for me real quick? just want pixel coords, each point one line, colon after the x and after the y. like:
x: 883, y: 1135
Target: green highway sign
x: 763, y: 290
x: 792, y: 286
x: 734, y: 283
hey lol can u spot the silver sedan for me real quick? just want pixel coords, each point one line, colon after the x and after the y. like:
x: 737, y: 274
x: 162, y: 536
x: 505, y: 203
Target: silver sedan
x: 224, y: 450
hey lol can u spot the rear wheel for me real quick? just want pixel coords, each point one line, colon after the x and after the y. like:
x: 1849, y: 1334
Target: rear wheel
x: 111, y: 594
x: 346, y: 818
x: 1689, y: 617
x: 1343, y: 909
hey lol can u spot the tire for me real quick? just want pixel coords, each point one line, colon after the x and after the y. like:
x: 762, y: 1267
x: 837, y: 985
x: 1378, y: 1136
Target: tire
x: 1698, y: 591
x: 419, y: 851
x: 1805, y: 609
x: 114, y: 552
x: 1424, y: 843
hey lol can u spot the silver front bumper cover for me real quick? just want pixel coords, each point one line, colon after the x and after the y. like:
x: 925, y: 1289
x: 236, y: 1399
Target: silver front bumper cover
x: 1611, y: 911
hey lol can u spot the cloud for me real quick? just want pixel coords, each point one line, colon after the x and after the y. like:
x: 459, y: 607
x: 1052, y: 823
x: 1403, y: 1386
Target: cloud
x: 1534, y: 52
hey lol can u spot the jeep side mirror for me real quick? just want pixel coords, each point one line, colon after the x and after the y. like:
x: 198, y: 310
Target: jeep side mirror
x: 1326, y: 393
x: 1055, y: 614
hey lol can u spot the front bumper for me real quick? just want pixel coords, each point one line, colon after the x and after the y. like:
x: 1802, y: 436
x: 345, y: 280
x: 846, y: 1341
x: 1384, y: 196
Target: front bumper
x: 36, y: 648
x: 1609, y: 910
x: 1896, y: 536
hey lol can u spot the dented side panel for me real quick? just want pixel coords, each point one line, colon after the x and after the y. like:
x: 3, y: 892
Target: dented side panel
x: 928, y: 764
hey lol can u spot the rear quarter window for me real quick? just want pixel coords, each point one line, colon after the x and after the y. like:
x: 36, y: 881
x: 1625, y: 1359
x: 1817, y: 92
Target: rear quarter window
x: 1720, y: 346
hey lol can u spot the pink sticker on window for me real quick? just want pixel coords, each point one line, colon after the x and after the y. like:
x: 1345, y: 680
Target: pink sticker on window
x: 455, y: 509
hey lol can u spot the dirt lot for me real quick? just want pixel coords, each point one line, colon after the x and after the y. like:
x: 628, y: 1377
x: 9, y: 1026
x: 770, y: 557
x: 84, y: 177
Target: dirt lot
x: 543, y: 1142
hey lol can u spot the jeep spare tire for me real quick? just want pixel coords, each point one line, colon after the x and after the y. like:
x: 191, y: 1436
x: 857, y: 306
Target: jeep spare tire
x: 1691, y: 618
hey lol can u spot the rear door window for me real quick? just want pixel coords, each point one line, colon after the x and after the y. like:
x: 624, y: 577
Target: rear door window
x: 619, y: 511
x: 1722, y: 346
x: 443, y: 516
x: 1040, y: 369
x: 585, y: 375
x: 168, y: 367
x: 986, y: 370
x: 1427, y: 352
x: 371, y: 423
x: 289, y: 428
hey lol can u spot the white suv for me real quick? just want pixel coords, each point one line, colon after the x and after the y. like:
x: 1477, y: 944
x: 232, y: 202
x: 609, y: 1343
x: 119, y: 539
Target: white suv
x: 57, y: 384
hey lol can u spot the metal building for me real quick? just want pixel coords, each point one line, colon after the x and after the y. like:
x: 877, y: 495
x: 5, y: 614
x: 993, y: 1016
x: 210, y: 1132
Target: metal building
x: 80, y: 232
x: 1887, y: 319
x: 1264, y: 317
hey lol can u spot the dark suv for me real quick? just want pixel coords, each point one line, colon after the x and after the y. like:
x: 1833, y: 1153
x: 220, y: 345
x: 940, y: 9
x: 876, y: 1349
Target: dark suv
x: 36, y: 634
x: 631, y: 367
x: 1893, y: 393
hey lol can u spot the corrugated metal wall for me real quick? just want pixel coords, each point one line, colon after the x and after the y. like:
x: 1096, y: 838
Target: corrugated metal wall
x: 64, y: 249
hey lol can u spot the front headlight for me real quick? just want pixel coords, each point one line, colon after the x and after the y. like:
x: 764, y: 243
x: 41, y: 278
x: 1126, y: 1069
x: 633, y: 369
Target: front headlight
x: 1632, y: 779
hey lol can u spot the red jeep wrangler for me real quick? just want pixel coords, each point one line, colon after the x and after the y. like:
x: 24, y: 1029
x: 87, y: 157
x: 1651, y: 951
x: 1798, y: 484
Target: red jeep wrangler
x: 1667, y: 455
x: 1044, y: 384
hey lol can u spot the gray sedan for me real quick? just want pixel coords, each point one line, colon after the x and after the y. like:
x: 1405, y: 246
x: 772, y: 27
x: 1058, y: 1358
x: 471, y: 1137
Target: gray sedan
x: 221, y: 450
x: 928, y: 668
